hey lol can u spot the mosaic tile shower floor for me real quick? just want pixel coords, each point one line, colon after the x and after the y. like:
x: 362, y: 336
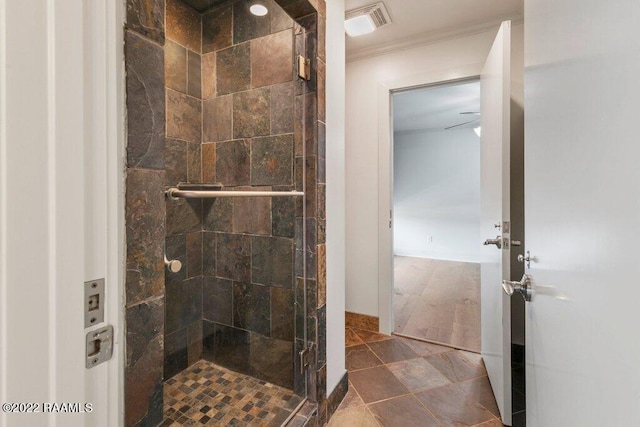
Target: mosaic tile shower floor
x: 208, y: 394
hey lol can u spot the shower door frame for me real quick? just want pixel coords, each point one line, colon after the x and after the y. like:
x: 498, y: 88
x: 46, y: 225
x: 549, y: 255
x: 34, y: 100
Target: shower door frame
x: 314, y: 14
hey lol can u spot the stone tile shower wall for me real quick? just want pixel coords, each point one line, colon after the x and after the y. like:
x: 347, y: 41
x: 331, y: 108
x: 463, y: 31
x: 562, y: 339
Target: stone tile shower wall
x: 240, y: 123
x: 248, y: 143
x: 144, y: 212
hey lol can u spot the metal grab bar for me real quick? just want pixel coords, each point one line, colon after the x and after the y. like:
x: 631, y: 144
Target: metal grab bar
x: 176, y: 193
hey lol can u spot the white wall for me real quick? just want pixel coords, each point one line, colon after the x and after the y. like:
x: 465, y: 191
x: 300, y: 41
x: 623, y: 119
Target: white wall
x: 335, y: 100
x: 436, y: 180
x: 362, y: 188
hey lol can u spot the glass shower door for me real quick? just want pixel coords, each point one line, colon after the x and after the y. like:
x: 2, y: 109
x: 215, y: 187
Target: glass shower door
x: 256, y: 249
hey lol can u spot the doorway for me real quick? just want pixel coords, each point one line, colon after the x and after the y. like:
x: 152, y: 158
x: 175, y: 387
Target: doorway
x: 436, y: 209
x: 501, y: 91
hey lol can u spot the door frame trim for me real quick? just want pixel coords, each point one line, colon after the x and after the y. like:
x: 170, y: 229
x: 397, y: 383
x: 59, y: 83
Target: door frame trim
x: 385, y: 173
x: 116, y: 238
x: 106, y: 131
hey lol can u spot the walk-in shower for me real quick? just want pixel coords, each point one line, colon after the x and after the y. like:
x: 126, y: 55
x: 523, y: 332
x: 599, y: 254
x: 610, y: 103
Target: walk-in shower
x: 225, y: 213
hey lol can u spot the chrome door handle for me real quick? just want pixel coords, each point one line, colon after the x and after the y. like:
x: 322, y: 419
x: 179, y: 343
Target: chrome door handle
x: 526, y: 259
x: 497, y: 241
x: 523, y: 287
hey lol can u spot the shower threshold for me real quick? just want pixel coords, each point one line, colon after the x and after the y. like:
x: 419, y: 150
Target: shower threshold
x: 208, y: 394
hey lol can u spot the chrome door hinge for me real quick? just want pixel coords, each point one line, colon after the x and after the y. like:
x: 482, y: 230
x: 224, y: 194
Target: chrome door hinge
x: 304, y: 360
x: 305, y: 357
x: 304, y: 68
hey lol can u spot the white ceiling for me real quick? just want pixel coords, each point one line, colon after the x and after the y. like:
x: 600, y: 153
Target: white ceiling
x: 418, y: 19
x: 434, y: 109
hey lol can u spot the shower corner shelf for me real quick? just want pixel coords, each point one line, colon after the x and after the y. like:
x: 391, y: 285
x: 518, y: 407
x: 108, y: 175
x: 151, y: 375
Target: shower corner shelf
x: 199, y: 187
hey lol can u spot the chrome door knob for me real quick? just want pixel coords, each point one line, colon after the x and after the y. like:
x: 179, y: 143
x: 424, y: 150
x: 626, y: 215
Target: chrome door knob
x: 523, y: 287
x: 497, y: 241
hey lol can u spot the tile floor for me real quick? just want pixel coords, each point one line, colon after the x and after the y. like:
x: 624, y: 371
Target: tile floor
x: 438, y: 301
x: 207, y: 394
x: 395, y: 381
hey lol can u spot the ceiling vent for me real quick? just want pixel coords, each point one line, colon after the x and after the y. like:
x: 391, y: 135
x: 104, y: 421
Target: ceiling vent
x: 376, y: 12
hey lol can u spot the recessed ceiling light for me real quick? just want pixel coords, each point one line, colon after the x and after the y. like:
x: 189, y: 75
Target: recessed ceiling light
x: 359, y: 26
x: 258, y: 9
x: 478, y: 130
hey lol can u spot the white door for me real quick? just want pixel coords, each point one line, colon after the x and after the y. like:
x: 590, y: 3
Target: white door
x: 582, y: 207
x: 56, y: 223
x: 495, y: 92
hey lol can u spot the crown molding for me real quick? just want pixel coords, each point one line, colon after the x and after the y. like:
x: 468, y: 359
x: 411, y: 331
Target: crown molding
x: 431, y: 37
